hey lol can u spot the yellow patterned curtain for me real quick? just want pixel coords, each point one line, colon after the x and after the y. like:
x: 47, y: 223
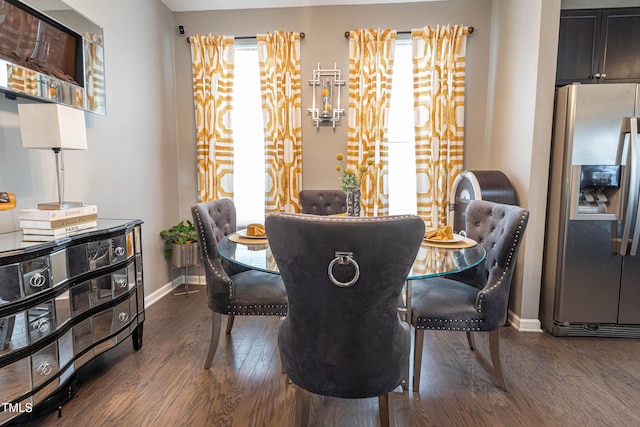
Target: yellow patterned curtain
x: 279, y: 55
x: 370, y: 70
x: 212, y: 68
x: 439, y: 56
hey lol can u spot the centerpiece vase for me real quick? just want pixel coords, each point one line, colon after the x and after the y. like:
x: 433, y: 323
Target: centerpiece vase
x: 353, y: 201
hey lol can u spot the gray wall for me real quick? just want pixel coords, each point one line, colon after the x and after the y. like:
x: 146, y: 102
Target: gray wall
x: 325, y: 43
x: 130, y: 168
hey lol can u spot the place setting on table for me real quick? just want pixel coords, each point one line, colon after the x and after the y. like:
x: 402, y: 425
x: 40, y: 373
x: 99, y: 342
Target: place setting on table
x: 254, y: 234
x: 442, y: 251
x: 444, y: 237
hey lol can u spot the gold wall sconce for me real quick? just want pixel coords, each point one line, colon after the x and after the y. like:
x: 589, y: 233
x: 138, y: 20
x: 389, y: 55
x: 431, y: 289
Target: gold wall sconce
x: 325, y: 107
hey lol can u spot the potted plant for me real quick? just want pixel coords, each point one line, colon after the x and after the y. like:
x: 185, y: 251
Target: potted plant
x: 182, y: 244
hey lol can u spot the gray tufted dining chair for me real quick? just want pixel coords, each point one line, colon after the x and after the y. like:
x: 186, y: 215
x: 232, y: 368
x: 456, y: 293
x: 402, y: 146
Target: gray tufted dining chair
x: 342, y: 336
x: 474, y: 300
x: 231, y: 289
x: 323, y: 202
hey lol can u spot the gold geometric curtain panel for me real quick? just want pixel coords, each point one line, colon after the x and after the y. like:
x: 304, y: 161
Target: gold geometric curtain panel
x: 439, y: 58
x: 212, y: 70
x: 279, y: 56
x: 371, y: 55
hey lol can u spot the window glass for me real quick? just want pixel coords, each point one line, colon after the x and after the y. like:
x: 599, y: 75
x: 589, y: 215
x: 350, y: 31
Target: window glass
x: 248, y: 135
x: 402, y: 160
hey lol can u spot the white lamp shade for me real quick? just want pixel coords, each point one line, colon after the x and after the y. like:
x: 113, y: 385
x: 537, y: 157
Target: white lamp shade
x: 52, y: 126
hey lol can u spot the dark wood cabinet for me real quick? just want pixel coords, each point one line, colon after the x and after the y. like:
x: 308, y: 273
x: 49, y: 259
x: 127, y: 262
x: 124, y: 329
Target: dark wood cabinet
x: 597, y: 46
x: 62, y: 303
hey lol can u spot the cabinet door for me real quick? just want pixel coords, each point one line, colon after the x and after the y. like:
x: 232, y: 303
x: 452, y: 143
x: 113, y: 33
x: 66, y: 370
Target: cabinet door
x: 619, y: 38
x: 577, y: 46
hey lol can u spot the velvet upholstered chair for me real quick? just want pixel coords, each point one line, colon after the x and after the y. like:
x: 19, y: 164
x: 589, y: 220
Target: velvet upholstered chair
x: 323, y: 202
x: 474, y: 300
x: 342, y: 336
x: 231, y: 289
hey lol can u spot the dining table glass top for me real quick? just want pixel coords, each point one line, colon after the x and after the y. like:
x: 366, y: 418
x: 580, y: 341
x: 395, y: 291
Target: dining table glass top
x: 432, y: 259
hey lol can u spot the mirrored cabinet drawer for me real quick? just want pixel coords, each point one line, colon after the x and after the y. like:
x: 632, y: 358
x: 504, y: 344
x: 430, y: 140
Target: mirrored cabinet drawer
x: 101, y: 290
x: 80, y: 298
x: 15, y: 379
x: 63, y: 309
x: 41, y: 321
x: 44, y: 364
x: 36, y: 275
x: 119, y: 249
x: 98, y: 254
x: 122, y: 280
x: 82, y: 340
x: 10, y: 289
x: 121, y: 315
x: 13, y: 333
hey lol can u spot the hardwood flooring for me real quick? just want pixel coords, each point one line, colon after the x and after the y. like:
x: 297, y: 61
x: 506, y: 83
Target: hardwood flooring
x: 553, y: 381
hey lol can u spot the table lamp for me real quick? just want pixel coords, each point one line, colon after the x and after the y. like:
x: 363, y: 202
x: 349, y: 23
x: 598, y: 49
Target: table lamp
x: 55, y: 127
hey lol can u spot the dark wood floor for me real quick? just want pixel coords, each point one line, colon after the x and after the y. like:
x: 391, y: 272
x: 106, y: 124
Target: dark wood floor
x: 553, y: 381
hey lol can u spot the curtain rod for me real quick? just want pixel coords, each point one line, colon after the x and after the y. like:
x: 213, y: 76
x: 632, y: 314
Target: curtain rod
x: 348, y: 33
x: 247, y: 37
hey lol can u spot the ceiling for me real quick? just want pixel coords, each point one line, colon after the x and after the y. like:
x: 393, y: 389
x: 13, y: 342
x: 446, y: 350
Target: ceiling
x: 194, y: 5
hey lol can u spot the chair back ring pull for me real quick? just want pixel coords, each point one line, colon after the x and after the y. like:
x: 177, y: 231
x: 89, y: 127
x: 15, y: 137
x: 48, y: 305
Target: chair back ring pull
x: 344, y: 258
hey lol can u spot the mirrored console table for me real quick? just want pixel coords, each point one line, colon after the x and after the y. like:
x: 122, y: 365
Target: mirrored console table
x: 62, y: 303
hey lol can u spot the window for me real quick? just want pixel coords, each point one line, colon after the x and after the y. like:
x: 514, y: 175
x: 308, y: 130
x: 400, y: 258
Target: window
x: 402, y: 159
x: 248, y: 135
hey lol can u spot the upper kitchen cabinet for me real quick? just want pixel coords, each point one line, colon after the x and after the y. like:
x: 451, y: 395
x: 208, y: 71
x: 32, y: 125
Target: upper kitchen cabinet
x: 596, y: 46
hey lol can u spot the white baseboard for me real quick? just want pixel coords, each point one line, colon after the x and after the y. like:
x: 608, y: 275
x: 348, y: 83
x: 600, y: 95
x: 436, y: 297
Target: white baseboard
x: 523, y: 325
x: 166, y: 289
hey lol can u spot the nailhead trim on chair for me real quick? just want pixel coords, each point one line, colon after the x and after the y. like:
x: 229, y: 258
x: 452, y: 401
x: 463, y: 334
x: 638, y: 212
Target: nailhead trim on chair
x: 206, y: 253
x: 311, y: 217
x: 232, y: 309
x: 481, y: 294
x: 460, y: 328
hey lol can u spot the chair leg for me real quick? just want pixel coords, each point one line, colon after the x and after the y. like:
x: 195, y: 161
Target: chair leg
x: 302, y: 403
x: 494, y: 348
x: 230, y: 319
x: 386, y: 410
x: 216, y: 320
x: 405, y: 375
x: 418, y: 342
x: 471, y: 340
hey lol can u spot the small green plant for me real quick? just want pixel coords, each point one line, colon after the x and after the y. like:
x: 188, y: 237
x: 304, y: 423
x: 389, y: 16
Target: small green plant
x: 180, y: 234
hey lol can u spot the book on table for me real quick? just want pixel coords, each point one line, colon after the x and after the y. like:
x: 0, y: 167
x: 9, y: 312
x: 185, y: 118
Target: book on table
x: 60, y: 231
x: 58, y: 223
x: 54, y: 214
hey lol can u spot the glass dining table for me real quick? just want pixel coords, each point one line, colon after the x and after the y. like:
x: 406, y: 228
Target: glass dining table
x: 433, y: 259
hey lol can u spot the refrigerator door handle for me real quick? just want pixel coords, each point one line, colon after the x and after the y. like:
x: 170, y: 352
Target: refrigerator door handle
x: 630, y: 126
x: 633, y: 138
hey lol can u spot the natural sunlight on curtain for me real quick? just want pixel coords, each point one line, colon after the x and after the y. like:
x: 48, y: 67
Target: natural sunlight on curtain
x: 212, y: 68
x: 370, y: 71
x: 402, y: 158
x: 248, y: 138
x: 279, y: 54
x: 439, y: 56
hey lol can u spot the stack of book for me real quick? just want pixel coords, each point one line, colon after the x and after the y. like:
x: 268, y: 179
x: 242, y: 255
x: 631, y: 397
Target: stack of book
x: 43, y: 225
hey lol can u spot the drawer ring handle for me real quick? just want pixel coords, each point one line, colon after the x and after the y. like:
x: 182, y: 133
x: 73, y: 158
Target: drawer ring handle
x: 41, y: 325
x: 37, y: 280
x: 45, y: 369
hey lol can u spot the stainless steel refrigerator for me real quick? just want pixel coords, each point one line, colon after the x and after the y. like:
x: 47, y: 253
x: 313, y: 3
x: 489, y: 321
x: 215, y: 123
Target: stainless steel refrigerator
x: 591, y: 264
